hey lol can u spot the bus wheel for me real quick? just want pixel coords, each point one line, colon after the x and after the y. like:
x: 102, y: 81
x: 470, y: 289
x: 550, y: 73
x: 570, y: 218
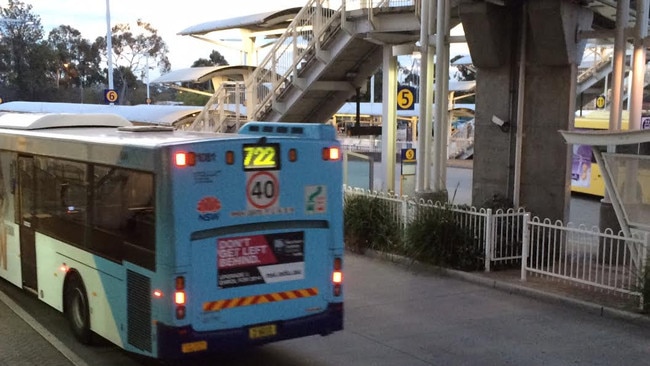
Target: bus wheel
x: 76, y: 309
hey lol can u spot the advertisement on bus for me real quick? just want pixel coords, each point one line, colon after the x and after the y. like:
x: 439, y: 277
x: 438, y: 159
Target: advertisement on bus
x: 256, y: 259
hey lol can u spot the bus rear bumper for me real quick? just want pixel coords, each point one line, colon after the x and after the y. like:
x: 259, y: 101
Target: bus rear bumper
x: 171, y: 340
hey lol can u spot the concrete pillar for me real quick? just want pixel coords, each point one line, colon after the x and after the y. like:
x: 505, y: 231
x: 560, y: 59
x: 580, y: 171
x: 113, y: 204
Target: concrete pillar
x: 552, y: 55
x: 489, y: 37
x: 389, y: 118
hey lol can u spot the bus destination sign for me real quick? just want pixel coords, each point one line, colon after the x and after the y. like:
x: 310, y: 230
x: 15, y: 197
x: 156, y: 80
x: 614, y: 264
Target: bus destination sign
x: 258, y: 157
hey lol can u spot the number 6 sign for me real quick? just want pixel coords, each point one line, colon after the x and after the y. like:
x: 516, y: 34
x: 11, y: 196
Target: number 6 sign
x: 262, y: 190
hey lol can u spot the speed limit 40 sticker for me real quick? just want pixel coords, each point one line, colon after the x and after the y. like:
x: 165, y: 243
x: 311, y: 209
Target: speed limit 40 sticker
x: 262, y: 190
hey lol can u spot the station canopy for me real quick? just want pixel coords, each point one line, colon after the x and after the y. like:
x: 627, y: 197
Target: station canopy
x: 205, y: 73
x: 262, y: 22
x: 166, y: 115
x: 626, y: 173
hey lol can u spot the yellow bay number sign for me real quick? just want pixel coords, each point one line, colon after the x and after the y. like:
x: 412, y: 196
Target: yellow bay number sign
x: 405, y: 98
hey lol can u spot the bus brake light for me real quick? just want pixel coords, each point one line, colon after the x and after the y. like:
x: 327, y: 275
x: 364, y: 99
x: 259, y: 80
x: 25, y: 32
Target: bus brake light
x: 337, y: 276
x: 179, y: 298
x: 331, y: 153
x: 183, y: 159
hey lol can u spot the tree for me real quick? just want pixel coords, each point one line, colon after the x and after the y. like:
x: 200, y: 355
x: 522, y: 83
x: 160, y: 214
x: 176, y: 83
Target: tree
x: 76, y: 59
x: 133, y: 53
x: 464, y: 72
x: 215, y: 59
x: 21, y: 64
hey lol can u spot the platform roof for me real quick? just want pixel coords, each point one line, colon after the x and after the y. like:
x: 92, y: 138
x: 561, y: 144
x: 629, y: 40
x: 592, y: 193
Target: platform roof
x: 204, y: 73
x: 142, y: 113
x: 606, y: 137
x: 274, y: 20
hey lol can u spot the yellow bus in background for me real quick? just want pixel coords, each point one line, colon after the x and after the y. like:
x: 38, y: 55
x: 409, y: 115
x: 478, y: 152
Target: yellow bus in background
x: 586, y: 176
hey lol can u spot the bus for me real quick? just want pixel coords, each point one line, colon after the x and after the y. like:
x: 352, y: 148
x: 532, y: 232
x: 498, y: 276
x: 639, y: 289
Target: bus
x: 170, y: 243
x: 586, y: 175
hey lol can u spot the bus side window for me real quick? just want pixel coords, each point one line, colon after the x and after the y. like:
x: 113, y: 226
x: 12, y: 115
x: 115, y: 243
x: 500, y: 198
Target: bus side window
x: 123, y: 212
x: 61, y: 199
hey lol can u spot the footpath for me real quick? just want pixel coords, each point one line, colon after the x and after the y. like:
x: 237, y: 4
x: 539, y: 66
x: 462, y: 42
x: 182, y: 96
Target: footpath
x: 24, y: 342
x: 603, y: 303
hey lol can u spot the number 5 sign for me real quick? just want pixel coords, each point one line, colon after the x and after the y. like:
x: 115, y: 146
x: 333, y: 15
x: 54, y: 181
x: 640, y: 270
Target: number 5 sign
x: 405, y: 98
x: 262, y: 190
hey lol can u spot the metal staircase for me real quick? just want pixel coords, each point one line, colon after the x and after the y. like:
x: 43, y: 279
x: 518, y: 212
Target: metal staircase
x: 594, y: 74
x: 315, y: 66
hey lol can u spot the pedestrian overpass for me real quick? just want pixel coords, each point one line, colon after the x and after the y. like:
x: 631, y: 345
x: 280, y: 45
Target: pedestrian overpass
x: 318, y: 57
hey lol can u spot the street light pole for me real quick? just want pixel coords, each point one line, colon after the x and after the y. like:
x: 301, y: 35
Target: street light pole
x: 148, y: 77
x: 109, y: 45
x: 82, y: 73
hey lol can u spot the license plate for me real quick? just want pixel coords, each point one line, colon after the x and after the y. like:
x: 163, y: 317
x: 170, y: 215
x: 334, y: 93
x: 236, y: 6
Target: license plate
x: 194, y: 346
x: 262, y: 331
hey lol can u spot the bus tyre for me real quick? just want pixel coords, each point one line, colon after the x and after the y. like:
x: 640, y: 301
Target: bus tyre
x: 77, y: 311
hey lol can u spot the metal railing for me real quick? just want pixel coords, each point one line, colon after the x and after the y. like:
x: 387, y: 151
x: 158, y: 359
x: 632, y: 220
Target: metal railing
x: 303, y: 41
x: 495, y: 233
x: 224, y: 112
x: 299, y: 43
x: 456, y: 148
x: 601, y: 261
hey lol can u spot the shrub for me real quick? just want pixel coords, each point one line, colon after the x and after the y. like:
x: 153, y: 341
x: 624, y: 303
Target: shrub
x: 369, y: 224
x: 434, y: 237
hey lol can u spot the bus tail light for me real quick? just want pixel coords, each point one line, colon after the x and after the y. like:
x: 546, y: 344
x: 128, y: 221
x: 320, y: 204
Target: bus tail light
x: 180, y: 298
x: 331, y: 153
x: 183, y: 159
x: 337, y: 276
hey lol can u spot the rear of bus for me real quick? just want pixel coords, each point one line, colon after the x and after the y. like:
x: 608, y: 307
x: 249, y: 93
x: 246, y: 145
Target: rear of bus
x: 256, y: 220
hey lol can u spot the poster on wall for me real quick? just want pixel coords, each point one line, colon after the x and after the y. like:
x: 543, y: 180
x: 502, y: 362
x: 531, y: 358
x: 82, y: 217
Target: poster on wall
x: 581, y: 167
x: 256, y: 259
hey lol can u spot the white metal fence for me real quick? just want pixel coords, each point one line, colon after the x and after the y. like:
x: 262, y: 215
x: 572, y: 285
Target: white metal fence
x: 599, y: 260
x: 602, y: 260
x: 495, y: 233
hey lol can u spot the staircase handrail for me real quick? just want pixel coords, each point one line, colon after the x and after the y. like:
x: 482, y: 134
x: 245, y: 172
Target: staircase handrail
x: 592, y: 70
x: 213, y: 122
x: 312, y: 21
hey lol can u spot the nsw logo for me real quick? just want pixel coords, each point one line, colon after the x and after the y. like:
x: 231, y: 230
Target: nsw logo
x: 208, y: 208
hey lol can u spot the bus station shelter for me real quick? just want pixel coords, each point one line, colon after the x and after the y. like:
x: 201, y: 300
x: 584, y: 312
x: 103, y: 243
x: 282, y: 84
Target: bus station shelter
x: 625, y: 160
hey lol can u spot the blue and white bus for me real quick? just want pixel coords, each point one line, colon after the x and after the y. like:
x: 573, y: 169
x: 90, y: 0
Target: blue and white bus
x: 171, y: 243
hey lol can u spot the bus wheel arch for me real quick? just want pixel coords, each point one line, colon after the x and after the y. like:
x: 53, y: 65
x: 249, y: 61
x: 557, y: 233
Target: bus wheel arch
x: 76, y: 307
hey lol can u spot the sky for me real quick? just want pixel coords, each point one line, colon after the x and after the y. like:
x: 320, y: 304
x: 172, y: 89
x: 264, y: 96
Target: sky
x: 169, y: 17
